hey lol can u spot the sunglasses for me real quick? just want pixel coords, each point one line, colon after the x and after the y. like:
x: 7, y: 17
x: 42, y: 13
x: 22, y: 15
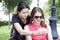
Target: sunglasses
x: 36, y: 17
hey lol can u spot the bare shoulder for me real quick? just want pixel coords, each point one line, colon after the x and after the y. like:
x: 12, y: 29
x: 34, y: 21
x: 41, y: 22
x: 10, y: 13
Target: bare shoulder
x: 26, y: 27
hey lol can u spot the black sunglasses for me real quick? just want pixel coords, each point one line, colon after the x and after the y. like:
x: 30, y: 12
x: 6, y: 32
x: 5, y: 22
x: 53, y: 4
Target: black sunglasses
x: 36, y: 17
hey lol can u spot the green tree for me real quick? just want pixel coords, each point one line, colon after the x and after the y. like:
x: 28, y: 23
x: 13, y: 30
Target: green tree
x: 10, y: 4
x: 58, y: 9
x: 49, y: 5
x: 0, y: 0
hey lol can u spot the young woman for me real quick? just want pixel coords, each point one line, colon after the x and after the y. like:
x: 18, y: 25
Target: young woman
x: 20, y: 19
x: 37, y: 22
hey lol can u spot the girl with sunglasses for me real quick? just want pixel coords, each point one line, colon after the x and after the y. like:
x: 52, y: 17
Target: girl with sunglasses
x: 37, y: 22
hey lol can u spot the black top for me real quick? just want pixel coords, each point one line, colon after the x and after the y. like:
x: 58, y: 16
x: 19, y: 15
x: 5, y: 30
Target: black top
x: 16, y: 19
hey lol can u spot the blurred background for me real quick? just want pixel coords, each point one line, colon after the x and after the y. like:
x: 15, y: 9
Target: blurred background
x: 7, y: 8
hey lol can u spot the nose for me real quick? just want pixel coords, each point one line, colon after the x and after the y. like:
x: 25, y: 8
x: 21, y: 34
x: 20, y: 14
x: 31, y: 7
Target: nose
x: 26, y: 14
x: 38, y: 18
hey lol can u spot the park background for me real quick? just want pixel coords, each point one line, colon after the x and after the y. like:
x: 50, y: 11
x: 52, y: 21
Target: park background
x: 7, y: 8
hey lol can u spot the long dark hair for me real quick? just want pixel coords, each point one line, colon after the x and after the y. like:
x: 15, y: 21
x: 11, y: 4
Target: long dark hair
x: 34, y: 10
x: 21, y: 5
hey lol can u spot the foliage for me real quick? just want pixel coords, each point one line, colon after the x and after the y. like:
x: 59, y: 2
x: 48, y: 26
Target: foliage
x: 0, y: 0
x: 4, y: 23
x: 6, y: 11
x: 10, y: 4
x: 57, y: 2
x: 58, y: 9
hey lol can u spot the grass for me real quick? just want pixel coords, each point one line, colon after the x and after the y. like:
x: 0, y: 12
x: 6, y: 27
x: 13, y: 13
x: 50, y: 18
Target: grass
x: 4, y: 33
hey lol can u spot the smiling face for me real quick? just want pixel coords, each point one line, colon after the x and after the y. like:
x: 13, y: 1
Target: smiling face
x: 37, y: 17
x: 24, y: 13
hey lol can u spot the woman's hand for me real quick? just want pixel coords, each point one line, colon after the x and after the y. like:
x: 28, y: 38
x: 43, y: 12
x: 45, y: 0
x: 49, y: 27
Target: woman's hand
x: 42, y: 30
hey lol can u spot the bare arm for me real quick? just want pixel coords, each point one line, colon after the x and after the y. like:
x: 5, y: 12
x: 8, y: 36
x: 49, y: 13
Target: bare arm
x: 49, y: 33
x: 24, y: 32
x: 28, y: 37
x: 20, y: 30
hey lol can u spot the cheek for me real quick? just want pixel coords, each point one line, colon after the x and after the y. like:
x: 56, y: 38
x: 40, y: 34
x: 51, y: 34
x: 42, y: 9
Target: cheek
x: 21, y: 14
x: 35, y: 20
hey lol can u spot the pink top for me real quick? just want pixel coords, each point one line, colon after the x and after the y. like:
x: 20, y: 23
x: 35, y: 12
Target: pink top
x: 33, y: 27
